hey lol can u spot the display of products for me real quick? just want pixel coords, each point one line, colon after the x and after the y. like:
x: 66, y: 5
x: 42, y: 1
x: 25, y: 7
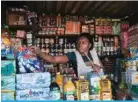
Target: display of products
x: 103, y: 26
x: 72, y: 27
x: 33, y: 80
x: 133, y: 36
x: 83, y: 89
x: 30, y: 78
x: 54, y: 47
x: 107, y: 46
x: 69, y: 91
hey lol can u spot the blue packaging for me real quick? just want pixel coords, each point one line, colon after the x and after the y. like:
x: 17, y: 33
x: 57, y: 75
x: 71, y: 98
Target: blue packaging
x: 33, y: 94
x: 28, y: 63
x: 8, y: 67
x: 8, y: 83
x: 33, y: 80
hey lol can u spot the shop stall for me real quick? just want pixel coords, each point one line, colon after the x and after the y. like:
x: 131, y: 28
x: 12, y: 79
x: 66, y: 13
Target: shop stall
x: 55, y: 30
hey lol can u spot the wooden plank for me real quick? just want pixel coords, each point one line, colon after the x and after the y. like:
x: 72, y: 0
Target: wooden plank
x: 63, y: 7
x: 86, y: 6
x: 58, y: 6
x: 113, y: 7
x: 117, y: 10
x: 77, y: 6
x: 93, y: 9
x: 69, y: 6
x: 106, y: 4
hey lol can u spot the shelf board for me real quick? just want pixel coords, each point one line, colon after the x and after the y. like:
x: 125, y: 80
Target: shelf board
x: 55, y: 35
x: 17, y: 12
x: 107, y: 35
x: 20, y: 27
x: 114, y: 56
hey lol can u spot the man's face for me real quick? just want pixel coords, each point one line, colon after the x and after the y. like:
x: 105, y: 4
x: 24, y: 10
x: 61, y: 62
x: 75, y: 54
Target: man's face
x: 83, y: 45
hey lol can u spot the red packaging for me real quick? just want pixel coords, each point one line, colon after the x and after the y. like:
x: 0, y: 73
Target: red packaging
x: 20, y: 34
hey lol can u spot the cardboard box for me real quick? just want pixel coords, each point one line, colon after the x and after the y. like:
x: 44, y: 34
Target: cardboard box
x: 8, y: 67
x: 8, y: 83
x: 33, y: 94
x: 33, y: 80
x: 7, y: 95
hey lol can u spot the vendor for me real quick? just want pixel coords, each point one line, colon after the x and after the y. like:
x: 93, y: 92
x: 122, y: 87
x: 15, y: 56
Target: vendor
x: 78, y: 58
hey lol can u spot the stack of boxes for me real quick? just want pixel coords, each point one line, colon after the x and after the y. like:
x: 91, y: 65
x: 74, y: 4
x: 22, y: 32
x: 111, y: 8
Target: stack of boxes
x: 8, y: 79
x: 33, y: 86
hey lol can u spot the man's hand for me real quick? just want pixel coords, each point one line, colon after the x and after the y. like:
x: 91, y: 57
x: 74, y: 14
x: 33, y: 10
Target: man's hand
x: 35, y: 50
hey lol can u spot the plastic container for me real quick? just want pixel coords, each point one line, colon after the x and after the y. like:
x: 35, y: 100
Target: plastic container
x: 69, y: 90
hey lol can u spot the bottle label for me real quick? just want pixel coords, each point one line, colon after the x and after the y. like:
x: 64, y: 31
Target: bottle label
x: 69, y: 95
x: 84, y: 96
x: 55, y: 95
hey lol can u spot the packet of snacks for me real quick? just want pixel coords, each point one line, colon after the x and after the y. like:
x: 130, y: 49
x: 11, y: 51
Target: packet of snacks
x: 6, y: 48
x: 27, y: 61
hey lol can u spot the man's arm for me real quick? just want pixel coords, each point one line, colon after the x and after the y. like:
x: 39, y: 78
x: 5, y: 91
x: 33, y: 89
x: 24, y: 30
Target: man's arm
x: 54, y: 59
x: 48, y: 58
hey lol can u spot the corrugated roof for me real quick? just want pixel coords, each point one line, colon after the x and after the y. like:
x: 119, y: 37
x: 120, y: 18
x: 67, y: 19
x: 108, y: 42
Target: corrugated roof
x: 90, y: 8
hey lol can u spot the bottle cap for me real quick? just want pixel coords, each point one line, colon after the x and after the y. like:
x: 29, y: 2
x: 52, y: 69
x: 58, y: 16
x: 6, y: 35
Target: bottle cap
x: 58, y: 73
x: 81, y: 77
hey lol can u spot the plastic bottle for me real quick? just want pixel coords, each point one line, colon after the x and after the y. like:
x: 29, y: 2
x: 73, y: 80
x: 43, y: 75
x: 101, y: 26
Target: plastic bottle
x: 83, y: 89
x: 69, y: 90
x: 59, y: 81
x: 54, y: 90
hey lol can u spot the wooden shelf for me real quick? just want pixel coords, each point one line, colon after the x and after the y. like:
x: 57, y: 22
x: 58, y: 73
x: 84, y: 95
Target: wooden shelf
x: 107, y: 35
x: 114, y: 56
x: 55, y: 35
x: 17, y: 12
x: 20, y: 27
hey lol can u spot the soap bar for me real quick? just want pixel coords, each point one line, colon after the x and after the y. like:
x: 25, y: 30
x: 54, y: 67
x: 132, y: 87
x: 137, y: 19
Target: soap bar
x: 33, y: 80
x: 7, y: 95
x: 8, y: 83
x: 33, y: 94
x: 8, y: 67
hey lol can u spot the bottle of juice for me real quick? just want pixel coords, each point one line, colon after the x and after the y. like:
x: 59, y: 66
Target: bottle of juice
x: 54, y: 90
x: 69, y: 90
x: 59, y: 81
x: 83, y: 89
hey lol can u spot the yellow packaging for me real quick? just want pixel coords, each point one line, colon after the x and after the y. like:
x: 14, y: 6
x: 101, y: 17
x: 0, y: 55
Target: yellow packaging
x: 95, y: 97
x: 106, y: 93
x: 83, y: 89
x: 7, y: 95
x: 59, y: 81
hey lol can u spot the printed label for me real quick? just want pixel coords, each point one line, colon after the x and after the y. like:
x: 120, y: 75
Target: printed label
x: 84, y: 96
x: 69, y: 95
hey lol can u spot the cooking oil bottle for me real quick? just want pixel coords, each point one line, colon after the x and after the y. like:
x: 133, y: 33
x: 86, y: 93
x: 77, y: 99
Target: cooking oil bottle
x: 69, y: 90
x: 82, y: 89
x: 106, y: 92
